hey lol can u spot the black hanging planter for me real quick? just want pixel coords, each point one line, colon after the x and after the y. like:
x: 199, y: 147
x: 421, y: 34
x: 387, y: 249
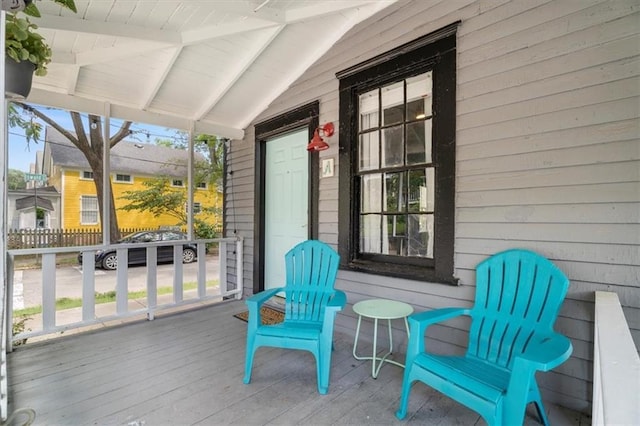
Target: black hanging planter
x: 18, y: 78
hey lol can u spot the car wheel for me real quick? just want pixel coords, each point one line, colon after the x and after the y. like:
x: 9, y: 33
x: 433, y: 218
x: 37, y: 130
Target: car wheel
x: 110, y: 261
x: 188, y: 255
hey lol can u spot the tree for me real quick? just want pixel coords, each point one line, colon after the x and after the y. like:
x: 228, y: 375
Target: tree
x: 159, y: 198
x: 15, y: 179
x: 90, y: 144
x: 210, y: 147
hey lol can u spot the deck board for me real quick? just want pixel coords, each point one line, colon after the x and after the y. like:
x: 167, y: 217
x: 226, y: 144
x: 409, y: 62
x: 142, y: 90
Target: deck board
x: 187, y: 369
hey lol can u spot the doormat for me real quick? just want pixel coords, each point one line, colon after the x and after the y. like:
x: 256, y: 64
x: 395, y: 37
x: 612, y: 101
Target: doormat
x: 268, y: 315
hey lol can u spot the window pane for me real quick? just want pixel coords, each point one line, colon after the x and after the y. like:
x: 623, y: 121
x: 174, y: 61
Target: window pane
x: 430, y: 190
x: 393, y: 103
x: 419, y: 142
x: 421, y: 190
x: 371, y: 200
x: 393, y: 192
x: 89, y: 210
x: 392, y: 147
x: 370, y: 238
x: 395, y: 232
x: 369, y: 151
x: 419, y: 96
x: 420, y: 235
x: 369, y: 110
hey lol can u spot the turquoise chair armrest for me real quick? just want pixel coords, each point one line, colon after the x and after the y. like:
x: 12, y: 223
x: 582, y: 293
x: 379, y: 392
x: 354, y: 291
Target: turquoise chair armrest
x: 338, y: 301
x: 255, y: 302
x: 546, y: 351
x: 336, y: 304
x: 419, y: 322
x: 259, y: 298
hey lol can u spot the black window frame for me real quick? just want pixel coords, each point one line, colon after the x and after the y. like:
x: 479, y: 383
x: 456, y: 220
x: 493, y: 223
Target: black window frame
x: 434, y: 52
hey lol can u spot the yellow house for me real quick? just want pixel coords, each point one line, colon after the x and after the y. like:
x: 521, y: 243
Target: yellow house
x: 132, y: 164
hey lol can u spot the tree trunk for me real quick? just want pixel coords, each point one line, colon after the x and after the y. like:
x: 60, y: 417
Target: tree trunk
x: 92, y: 148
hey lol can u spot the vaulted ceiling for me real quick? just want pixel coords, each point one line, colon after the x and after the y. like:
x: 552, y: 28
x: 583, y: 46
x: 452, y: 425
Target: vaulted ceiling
x: 213, y: 64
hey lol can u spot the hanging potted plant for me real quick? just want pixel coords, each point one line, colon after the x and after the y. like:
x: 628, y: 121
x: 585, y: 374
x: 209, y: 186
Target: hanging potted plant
x: 26, y: 51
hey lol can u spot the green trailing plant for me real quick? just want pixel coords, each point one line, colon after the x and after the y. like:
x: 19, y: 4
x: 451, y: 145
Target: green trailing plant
x: 32, y: 9
x: 23, y: 43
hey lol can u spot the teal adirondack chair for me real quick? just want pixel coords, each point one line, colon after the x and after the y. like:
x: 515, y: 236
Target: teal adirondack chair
x: 518, y: 296
x: 311, y: 304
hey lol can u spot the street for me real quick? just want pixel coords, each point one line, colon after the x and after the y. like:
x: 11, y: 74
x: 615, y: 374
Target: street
x: 28, y: 291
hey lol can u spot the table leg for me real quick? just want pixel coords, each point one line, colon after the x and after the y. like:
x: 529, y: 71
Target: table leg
x: 390, y: 337
x: 374, y: 372
x: 355, y: 340
x: 376, y: 361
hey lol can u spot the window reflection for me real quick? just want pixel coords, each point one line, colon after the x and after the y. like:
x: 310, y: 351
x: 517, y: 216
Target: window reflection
x: 395, y: 143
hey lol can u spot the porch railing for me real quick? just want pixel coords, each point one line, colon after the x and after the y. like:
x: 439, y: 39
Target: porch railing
x: 48, y: 323
x: 616, y: 366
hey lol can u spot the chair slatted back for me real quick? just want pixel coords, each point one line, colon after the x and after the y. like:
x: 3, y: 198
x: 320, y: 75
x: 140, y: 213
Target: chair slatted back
x: 518, y: 293
x: 311, y: 269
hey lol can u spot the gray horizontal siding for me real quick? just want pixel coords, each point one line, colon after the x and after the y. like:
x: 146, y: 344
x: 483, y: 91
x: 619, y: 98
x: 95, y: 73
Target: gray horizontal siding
x: 548, y: 156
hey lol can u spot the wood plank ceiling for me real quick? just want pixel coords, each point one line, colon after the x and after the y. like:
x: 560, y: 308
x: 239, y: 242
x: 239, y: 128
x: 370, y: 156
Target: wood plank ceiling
x: 212, y: 64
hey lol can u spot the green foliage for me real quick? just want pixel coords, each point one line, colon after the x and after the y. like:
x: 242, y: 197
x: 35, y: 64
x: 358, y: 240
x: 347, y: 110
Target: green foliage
x: 158, y: 198
x: 210, y: 167
x: 24, y: 44
x: 32, y: 129
x: 19, y: 326
x: 32, y: 9
x: 204, y: 230
x: 15, y: 179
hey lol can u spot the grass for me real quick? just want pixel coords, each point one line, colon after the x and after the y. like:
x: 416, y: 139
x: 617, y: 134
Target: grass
x: 31, y: 261
x: 108, y: 297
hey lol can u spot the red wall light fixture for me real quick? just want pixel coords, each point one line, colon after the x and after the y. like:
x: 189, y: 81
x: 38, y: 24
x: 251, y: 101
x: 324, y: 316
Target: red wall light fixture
x: 317, y: 143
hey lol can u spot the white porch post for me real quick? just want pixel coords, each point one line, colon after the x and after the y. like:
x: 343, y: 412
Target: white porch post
x: 190, y: 185
x: 106, y: 176
x: 4, y: 327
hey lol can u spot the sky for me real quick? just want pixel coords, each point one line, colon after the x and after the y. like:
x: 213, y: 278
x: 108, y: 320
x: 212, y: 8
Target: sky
x: 21, y: 155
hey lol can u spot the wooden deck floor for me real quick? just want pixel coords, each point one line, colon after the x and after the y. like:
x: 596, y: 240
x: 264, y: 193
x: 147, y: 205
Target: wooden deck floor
x: 186, y: 369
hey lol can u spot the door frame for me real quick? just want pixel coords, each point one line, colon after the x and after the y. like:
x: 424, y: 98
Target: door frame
x: 303, y: 116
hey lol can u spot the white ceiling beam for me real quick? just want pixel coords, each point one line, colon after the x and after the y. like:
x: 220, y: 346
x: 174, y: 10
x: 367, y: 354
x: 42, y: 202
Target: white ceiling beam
x: 244, y: 9
x: 73, y: 72
x: 91, y: 106
x: 235, y: 74
x: 216, y: 31
x: 186, y: 37
x: 159, y: 79
x: 107, y: 29
x: 63, y: 58
x: 354, y: 16
x: 330, y: 7
x: 121, y: 50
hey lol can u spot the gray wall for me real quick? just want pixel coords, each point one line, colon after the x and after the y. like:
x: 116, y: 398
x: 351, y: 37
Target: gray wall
x: 548, y: 157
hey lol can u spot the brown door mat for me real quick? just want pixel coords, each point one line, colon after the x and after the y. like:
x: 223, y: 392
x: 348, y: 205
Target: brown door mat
x: 269, y: 315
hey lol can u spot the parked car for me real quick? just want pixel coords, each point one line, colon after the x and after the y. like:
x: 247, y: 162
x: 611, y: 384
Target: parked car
x: 108, y: 259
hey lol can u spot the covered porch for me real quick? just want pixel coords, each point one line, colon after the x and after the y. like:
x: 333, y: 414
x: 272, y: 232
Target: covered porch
x: 546, y: 136
x: 187, y: 368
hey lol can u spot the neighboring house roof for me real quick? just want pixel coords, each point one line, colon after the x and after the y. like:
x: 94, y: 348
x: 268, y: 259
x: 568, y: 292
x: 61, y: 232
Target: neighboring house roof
x: 126, y: 157
x: 47, y: 190
x: 33, y: 201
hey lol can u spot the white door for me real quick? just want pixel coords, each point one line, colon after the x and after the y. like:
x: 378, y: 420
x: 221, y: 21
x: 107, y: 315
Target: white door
x: 286, y: 201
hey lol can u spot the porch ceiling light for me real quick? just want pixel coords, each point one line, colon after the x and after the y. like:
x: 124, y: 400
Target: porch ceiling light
x: 317, y: 143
